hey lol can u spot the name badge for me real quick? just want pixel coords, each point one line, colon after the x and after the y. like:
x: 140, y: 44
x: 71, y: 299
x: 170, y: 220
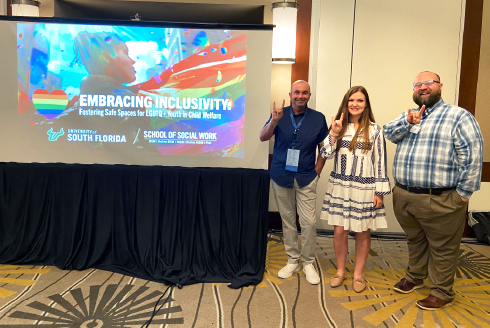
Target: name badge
x: 415, y: 129
x: 292, y: 160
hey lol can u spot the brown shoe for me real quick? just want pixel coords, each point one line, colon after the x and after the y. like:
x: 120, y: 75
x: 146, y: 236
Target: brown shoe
x: 336, y: 280
x: 433, y: 303
x: 406, y: 286
x: 358, y: 285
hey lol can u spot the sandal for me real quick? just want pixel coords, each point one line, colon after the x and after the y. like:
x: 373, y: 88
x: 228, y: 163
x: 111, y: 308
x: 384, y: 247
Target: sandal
x: 358, y: 285
x: 336, y: 280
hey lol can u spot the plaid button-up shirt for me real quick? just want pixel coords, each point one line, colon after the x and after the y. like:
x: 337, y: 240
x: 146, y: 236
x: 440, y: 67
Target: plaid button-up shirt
x: 446, y: 152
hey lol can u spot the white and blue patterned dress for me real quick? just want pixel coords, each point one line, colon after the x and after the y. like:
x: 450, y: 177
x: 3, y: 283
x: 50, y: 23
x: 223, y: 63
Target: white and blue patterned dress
x: 355, y: 179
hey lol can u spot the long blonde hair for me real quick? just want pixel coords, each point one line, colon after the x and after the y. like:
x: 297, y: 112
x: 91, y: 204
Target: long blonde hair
x: 364, y: 121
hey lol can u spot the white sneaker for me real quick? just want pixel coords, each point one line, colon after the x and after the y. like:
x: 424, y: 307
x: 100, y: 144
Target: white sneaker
x: 288, y: 270
x: 311, y: 274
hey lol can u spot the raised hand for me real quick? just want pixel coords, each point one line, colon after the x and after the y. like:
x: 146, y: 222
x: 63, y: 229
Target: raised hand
x: 277, y: 112
x: 336, y: 126
x: 415, y: 117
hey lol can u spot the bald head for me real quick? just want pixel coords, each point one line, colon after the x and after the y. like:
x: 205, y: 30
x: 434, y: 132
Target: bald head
x: 301, y: 83
x: 427, y: 75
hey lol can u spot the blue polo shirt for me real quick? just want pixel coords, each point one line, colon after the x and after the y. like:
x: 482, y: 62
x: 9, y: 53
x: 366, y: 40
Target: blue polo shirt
x: 312, y: 132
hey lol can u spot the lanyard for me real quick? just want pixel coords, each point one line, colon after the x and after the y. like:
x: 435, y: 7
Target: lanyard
x: 296, y: 126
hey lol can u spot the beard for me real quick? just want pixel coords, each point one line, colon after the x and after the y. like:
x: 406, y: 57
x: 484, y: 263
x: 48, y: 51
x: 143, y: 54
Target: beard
x: 430, y: 101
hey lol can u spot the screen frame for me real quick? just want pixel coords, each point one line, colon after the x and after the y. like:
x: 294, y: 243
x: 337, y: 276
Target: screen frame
x: 116, y: 22
x: 256, y: 153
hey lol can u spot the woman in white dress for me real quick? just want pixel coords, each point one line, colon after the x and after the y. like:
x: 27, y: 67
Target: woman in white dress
x: 358, y: 182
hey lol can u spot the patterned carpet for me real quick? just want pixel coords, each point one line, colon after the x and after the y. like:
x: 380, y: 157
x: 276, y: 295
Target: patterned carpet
x: 35, y: 296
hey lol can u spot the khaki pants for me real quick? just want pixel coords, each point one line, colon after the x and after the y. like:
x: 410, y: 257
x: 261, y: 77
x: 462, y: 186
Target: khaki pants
x: 305, y: 198
x: 434, y: 227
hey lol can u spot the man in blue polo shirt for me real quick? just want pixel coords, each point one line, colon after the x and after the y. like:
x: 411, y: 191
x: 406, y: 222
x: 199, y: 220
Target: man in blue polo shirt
x: 298, y: 131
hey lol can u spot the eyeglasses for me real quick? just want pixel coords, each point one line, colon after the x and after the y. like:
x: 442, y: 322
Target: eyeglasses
x: 418, y: 85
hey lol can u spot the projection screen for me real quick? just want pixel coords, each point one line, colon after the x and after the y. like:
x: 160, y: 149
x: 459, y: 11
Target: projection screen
x: 115, y: 92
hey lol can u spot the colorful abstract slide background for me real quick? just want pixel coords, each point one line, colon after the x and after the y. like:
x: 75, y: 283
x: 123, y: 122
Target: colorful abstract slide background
x: 166, y: 62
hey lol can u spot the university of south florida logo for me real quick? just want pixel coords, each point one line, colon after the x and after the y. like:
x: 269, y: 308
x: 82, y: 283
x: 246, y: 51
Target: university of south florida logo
x: 53, y: 136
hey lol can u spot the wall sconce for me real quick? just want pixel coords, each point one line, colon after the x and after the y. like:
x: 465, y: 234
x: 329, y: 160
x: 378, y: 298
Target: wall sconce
x: 25, y: 8
x: 284, y: 34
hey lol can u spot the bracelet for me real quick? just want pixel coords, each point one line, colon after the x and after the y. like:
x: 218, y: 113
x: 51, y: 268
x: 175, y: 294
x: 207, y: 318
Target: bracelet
x: 334, y: 134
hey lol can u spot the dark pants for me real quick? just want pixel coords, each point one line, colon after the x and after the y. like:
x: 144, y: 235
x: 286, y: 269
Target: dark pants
x: 434, y: 226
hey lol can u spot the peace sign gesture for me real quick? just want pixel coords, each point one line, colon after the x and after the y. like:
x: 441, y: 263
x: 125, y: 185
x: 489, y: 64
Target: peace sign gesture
x: 415, y: 117
x: 336, y: 126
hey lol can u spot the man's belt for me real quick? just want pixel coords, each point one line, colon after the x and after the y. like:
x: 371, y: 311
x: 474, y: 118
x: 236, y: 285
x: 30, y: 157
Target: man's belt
x: 431, y: 191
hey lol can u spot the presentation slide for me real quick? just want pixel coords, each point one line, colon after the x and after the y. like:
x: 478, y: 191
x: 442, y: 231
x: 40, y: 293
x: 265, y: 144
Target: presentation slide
x: 104, y: 88
x: 116, y: 93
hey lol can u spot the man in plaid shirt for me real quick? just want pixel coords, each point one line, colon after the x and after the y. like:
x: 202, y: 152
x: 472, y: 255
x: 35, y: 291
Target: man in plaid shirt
x: 437, y: 167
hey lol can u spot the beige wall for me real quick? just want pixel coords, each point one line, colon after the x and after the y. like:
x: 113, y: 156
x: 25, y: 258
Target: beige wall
x: 280, y: 86
x: 3, y: 7
x: 479, y: 201
x: 482, y: 111
x: 394, y: 41
x: 47, y: 8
